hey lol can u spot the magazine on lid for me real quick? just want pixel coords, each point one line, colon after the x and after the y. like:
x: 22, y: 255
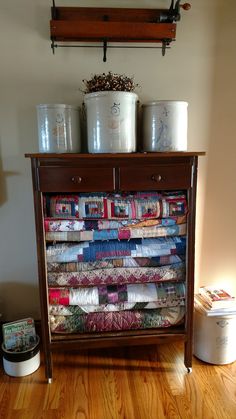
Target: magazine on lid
x: 203, y: 307
x: 19, y: 335
x: 216, y: 297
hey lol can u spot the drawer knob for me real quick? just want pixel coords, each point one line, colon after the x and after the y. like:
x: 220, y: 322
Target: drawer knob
x: 76, y: 179
x: 156, y: 178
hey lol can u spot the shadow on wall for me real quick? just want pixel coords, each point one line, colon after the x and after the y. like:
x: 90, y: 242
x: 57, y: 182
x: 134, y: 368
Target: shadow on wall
x: 3, y: 177
x: 17, y: 301
x: 40, y: 16
x: 27, y: 132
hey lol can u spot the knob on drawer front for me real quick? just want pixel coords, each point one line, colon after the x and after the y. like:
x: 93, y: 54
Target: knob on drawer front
x: 76, y: 179
x: 156, y: 178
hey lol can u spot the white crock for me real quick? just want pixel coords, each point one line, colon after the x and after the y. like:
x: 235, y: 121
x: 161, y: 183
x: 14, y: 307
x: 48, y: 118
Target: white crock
x: 111, y: 122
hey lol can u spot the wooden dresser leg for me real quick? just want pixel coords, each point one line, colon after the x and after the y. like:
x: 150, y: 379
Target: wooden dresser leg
x: 48, y: 366
x: 188, y: 353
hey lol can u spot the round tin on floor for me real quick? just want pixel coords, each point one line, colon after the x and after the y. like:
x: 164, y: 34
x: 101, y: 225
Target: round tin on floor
x: 19, y: 364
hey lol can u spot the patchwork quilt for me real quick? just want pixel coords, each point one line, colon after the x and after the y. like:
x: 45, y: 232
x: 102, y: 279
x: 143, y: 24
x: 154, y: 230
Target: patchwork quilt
x: 61, y: 310
x: 92, y: 251
x: 163, y: 293
x: 117, y: 321
x: 53, y: 225
x: 109, y: 276
x: 127, y: 262
x: 121, y: 234
x: 140, y: 205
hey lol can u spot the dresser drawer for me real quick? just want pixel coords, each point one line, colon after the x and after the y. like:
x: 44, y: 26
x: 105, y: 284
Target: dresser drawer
x: 69, y: 179
x: 168, y: 176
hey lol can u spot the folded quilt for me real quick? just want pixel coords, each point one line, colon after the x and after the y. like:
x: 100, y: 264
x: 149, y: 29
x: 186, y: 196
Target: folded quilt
x: 116, y: 321
x: 140, y: 205
x: 163, y: 293
x: 51, y: 224
x: 61, y: 310
x: 121, y: 234
x: 109, y: 276
x: 127, y: 262
x: 62, y: 206
x: 92, y: 251
x: 157, y: 231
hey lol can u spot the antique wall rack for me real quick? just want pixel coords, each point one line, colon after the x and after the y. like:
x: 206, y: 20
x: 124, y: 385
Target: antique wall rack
x: 114, y: 25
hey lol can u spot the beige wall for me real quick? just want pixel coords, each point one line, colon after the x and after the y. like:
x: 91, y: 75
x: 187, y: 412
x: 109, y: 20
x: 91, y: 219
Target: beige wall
x: 199, y: 68
x: 217, y: 255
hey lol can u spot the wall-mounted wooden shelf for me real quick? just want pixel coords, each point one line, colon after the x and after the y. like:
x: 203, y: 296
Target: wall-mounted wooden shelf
x: 87, y: 24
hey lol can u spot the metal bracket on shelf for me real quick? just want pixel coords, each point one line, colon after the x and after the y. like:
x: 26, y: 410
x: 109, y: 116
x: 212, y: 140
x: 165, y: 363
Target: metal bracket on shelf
x: 165, y: 44
x: 164, y: 47
x: 54, y: 10
x: 104, y: 50
x: 53, y: 45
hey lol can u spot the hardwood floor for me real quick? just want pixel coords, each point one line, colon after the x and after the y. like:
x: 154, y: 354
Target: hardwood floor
x: 148, y: 382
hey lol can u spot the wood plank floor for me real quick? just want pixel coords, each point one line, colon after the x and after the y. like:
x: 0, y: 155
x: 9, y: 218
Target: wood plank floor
x: 148, y: 382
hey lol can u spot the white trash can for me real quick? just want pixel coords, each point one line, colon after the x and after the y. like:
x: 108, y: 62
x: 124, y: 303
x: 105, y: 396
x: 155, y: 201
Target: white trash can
x: 214, y: 338
x: 111, y: 121
x: 19, y: 364
x: 58, y: 128
x: 164, y: 126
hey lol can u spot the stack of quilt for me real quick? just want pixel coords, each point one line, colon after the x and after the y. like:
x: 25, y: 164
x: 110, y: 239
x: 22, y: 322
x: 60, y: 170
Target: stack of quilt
x: 115, y: 261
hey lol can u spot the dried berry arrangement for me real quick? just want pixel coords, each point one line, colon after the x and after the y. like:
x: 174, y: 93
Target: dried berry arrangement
x: 109, y: 82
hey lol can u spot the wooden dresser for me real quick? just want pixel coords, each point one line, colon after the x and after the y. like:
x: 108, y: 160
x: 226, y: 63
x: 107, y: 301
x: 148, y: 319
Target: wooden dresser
x: 72, y: 173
